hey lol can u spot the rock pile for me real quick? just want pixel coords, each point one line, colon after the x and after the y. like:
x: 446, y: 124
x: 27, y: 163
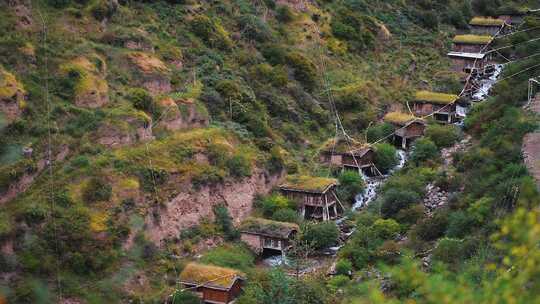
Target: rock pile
x: 435, y: 198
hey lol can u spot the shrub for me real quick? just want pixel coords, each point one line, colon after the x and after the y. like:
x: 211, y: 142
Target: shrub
x: 343, y: 267
x: 395, y: 200
x: 286, y: 215
x: 97, y: 189
x: 320, y: 235
x: 142, y: 100
x: 270, y: 205
x: 449, y: 251
x: 239, y: 166
x: 460, y: 224
x: 103, y: 9
x: 411, y: 215
x: 385, y: 157
x: 224, y: 222
x: 424, y: 150
x: 338, y: 281
x: 351, y: 183
x: 304, y: 69
x: 284, y: 14
x: 379, y: 131
x: 386, y: 228
x: 255, y: 28
x: 389, y: 252
x: 442, y: 135
x: 185, y: 297
x: 431, y: 228
x: 211, y: 32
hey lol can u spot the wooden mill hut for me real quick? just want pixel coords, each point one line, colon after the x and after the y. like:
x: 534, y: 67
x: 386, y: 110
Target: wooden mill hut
x: 408, y: 128
x: 442, y: 106
x: 348, y: 155
x: 486, y: 25
x: 469, y: 62
x: 315, y: 196
x: 471, y: 43
x: 213, y: 284
x: 260, y: 234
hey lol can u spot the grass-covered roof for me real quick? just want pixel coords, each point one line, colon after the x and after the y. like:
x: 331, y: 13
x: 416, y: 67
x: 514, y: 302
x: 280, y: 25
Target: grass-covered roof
x: 473, y: 39
x: 486, y: 21
x: 268, y: 227
x: 209, y: 275
x: 342, y: 145
x: 436, y: 98
x: 399, y: 118
x: 306, y: 183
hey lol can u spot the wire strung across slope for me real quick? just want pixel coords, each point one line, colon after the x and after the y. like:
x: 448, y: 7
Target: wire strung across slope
x: 49, y: 153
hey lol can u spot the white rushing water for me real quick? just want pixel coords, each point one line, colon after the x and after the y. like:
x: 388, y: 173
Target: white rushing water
x: 373, y: 183
x: 487, y: 83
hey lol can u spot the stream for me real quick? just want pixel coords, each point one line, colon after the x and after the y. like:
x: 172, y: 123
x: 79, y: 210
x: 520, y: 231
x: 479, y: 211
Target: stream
x: 373, y: 183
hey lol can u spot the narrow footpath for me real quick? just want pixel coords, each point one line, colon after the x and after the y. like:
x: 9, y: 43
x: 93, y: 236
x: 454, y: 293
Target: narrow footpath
x: 531, y: 145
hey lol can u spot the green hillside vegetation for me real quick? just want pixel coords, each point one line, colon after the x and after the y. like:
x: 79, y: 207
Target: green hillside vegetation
x: 102, y: 77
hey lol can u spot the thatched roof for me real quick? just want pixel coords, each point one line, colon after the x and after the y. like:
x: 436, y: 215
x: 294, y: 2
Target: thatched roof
x: 313, y: 184
x: 269, y: 228
x: 343, y: 146
x: 435, y: 98
x: 210, y: 276
x: 400, y: 119
x: 472, y: 39
x: 486, y: 21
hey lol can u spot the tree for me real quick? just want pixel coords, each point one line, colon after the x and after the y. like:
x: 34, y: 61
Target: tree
x: 385, y: 157
x: 424, y: 150
x: 224, y: 222
x: 320, y: 235
x: 395, y: 200
x: 350, y: 184
x: 442, y: 135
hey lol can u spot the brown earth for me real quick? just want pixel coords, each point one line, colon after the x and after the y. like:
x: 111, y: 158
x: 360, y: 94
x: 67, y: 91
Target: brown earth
x: 531, y: 145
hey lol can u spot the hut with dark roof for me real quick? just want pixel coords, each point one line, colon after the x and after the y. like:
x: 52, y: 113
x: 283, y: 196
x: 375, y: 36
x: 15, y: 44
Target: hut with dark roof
x: 262, y: 234
x: 315, y: 196
x: 486, y: 25
x: 348, y: 155
x: 408, y: 128
x: 213, y: 284
x: 442, y: 106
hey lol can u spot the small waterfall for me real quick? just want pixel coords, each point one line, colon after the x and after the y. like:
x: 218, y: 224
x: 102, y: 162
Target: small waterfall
x: 373, y: 183
x: 486, y: 84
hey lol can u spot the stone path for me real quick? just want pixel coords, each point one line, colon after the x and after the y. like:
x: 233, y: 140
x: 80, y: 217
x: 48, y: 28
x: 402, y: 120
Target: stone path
x: 531, y: 146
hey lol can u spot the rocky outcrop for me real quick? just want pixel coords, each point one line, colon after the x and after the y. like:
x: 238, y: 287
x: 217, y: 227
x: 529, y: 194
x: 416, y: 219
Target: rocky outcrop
x: 25, y: 181
x: 91, y: 89
x: 114, y: 135
x: 154, y: 73
x: 183, y: 114
x: 191, y: 205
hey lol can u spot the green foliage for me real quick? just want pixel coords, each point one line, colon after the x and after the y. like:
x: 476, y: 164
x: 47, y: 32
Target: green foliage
x: 230, y: 256
x: 424, y: 150
x: 442, y: 135
x: 460, y: 224
x: 448, y: 250
x: 379, y: 131
x: 305, y: 70
x: 385, y: 157
x: 272, y: 204
x: 395, y: 200
x: 354, y: 28
x: 386, y: 228
x: 255, y: 28
x: 343, y: 267
x: 239, y: 166
x: 320, y: 235
x: 224, y: 222
x: 431, y: 228
x: 185, y: 297
x: 97, y: 189
x: 285, y: 14
x: 211, y: 31
x: 286, y: 215
x: 142, y: 100
x: 350, y: 184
